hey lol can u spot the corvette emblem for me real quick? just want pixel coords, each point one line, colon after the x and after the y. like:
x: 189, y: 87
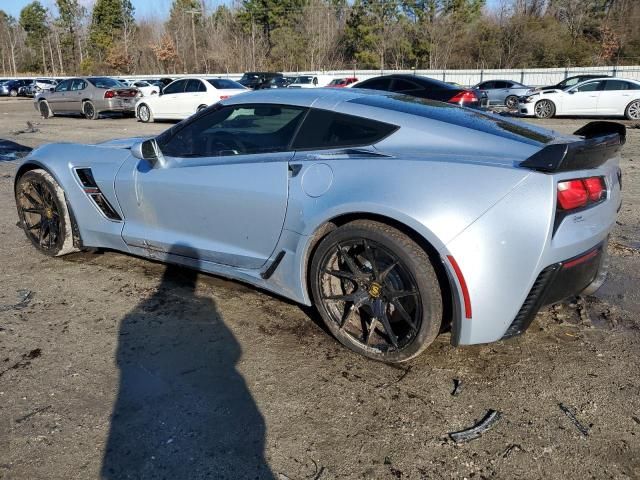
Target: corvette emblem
x: 375, y: 289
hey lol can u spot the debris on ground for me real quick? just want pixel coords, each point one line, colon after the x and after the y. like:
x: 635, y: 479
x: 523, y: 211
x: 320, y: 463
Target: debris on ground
x: 567, y: 411
x: 457, y: 387
x: 488, y: 421
x: 12, y: 151
x: 24, y: 361
x: 24, y: 298
x: 510, y: 449
x: 35, y: 412
x: 31, y: 128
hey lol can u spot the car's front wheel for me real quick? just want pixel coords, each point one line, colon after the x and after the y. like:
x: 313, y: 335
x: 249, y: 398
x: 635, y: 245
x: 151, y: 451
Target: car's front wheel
x: 632, y: 112
x: 43, y: 213
x: 511, y: 102
x: 144, y: 113
x: 376, y: 291
x: 45, y: 109
x: 544, y: 109
x: 13, y: 92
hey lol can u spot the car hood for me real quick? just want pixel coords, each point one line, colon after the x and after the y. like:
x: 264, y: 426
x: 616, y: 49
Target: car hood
x: 122, y: 142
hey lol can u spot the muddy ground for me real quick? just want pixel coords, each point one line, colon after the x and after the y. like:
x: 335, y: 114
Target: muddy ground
x: 116, y: 367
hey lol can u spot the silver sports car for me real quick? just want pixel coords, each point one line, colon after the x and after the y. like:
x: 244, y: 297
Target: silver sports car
x: 397, y: 217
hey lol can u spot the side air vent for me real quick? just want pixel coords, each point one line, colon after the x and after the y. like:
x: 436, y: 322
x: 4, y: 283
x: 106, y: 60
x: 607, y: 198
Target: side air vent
x: 93, y: 192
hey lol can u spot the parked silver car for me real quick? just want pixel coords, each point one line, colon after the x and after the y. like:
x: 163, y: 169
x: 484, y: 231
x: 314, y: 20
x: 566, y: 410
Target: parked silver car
x: 89, y: 96
x: 503, y: 92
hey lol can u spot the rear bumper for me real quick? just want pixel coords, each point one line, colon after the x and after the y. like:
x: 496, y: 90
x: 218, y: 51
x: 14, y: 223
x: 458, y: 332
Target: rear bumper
x: 584, y: 273
x: 117, y: 105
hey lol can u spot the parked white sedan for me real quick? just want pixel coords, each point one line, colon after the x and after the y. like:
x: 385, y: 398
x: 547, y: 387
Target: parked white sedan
x: 145, y: 87
x: 594, y: 97
x: 184, y: 97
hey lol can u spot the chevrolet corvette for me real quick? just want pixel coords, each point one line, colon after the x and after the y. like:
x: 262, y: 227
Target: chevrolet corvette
x: 398, y: 217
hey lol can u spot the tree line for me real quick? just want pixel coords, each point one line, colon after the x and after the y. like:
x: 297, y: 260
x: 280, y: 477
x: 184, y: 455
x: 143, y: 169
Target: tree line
x: 310, y: 35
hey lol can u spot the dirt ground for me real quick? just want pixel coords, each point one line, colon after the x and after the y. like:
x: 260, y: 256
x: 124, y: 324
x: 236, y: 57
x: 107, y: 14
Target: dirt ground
x: 115, y: 367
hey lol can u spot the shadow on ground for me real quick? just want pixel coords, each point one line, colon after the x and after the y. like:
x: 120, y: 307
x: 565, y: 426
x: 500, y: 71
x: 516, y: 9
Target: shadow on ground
x: 182, y: 410
x: 12, y: 151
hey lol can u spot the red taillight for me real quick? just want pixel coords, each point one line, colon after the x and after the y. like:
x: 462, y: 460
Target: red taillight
x: 574, y: 194
x: 224, y: 97
x: 466, y: 96
x: 595, y: 188
x: 109, y: 94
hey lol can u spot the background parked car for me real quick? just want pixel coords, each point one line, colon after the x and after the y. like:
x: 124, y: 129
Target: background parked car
x: 89, y: 96
x: 11, y: 88
x: 145, y: 87
x: 424, y: 87
x: 604, y: 96
x: 342, y: 82
x: 305, y: 81
x: 571, y: 81
x: 184, y: 97
x: 25, y: 89
x: 503, y: 92
x: 42, y: 84
x: 258, y: 80
x: 281, y: 82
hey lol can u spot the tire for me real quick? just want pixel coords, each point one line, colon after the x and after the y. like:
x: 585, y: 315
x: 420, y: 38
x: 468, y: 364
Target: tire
x: 45, y: 109
x: 43, y: 213
x: 13, y: 93
x: 544, y: 109
x: 200, y: 108
x: 144, y: 114
x: 89, y: 111
x: 360, y: 303
x: 511, y: 102
x: 632, y: 112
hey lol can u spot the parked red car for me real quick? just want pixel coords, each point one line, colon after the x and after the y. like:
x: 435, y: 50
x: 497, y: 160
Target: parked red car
x: 342, y: 82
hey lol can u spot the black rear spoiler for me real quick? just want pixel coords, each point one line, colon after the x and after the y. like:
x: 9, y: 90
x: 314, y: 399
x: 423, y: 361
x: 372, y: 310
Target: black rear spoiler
x: 602, y: 140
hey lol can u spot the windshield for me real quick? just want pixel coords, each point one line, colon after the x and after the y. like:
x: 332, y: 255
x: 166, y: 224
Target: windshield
x: 304, y: 80
x: 105, y: 82
x: 222, y: 84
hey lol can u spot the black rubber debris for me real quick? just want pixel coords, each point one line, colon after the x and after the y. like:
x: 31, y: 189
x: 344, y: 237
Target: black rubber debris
x: 488, y: 421
x: 457, y: 387
x: 24, y: 298
x: 12, y: 151
x: 567, y: 411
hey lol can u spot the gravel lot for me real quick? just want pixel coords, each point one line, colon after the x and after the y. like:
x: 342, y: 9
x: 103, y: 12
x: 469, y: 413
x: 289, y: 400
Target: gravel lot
x: 116, y: 367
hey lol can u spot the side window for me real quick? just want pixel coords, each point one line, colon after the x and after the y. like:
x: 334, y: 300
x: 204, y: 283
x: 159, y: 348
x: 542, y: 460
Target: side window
x: 401, y: 85
x: 488, y: 85
x: 324, y: 129
x: 380, y: 83
x: 501, y: 85
x: 617, y: 85
x: 63, y: 86
x: 570, y: 82
x: 589, y: 87
x: 78, y: 84
x: 235, y: 130
x: 175, y: 87
x: 195, y: 86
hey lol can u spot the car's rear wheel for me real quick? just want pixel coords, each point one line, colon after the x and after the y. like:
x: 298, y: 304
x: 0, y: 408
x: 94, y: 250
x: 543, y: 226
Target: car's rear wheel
x: 632, y: 112
x: 377, y: 291
x: 544, y: 109
x: 43, y: 213
x: 45, y: 110
x: 89, y: 111
x: 144, y: 113
x: 200, y: 108
x: 511, y: 101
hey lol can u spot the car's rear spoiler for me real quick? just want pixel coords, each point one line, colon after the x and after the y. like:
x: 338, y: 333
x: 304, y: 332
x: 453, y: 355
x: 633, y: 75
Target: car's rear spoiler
x: 602, y: 140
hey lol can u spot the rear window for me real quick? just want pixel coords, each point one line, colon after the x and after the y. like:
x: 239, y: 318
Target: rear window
x: 105, y: 82
x: 223, y: 84
x: 323, y: 129
x: 463, y: 117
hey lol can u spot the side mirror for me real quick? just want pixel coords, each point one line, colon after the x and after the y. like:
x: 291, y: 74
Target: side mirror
x: 148, y: 150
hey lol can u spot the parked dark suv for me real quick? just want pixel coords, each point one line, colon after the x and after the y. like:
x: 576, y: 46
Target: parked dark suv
x: 258, y: 80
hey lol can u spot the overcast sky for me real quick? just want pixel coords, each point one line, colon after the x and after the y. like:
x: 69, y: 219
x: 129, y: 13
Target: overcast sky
x: 144, y: 8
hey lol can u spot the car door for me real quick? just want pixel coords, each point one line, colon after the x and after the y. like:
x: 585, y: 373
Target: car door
x: 76, y: 94
x: 57, y: 98
x: 221, y: 190
x: 169, y: 104
x: 614, y: 97
x: 195, y: 94
x: 582, y: 99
